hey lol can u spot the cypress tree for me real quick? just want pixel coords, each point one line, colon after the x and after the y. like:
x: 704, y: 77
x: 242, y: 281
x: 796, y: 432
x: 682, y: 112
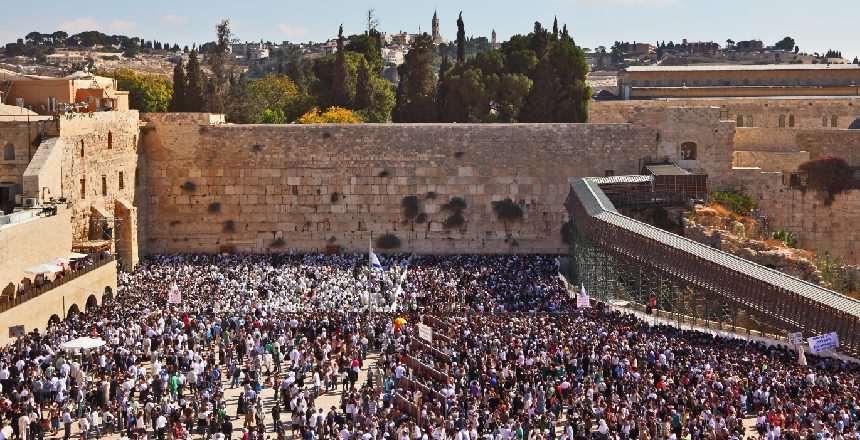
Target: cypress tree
x: 461, y: 39
x: 195, y: 84
x: 416, y: 92
x: 363, y: 88
x: 442, y: 87
x: 339, y: 90
x: 555, y: 27
x: 177, y: 103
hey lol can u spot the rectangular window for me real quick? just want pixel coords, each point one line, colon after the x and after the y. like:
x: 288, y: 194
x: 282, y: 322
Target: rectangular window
x: 83, y: 188
x: 121, y: 181
x: 104, y: 185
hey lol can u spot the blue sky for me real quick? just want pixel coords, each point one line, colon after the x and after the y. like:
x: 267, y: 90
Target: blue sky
x: 816, y: 26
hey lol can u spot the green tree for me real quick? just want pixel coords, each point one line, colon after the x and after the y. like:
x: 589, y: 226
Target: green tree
x: 555, y: 28
x: 416, y: 92
x: 177, y: 102
x: 467, y: 97
x: 540, y: 104
x: 461, y: 39
x: 509, y: 92
x: 442, y: 88
x: 786, y: 44
x: 147, y: 93
x: 539, y: 40
x: 341, y: 92
x: 196, y: 84
x: 369, y: 46
x: 219, y: 62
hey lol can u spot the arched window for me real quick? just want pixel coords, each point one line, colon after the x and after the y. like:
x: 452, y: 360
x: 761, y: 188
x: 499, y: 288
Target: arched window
x: 791, y: 121
x: 688, y: 151
x: 748, y: 121
x: 110, y: 140
x: 781, y: 121
x: 740, y: 120
x: 8, y: 151
x: 834, y: 121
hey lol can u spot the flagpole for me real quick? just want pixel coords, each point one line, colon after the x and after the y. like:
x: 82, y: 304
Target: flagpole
x: 369, y: 272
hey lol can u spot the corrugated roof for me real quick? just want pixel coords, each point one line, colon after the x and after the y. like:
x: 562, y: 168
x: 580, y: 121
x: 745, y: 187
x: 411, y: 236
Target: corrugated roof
x: 742, y: 67
x: 598, y: 205
x: 667, y: 170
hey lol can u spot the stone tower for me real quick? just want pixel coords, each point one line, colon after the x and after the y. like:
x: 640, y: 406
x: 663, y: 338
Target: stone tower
x: 493, y: 38
x: 437, y: 37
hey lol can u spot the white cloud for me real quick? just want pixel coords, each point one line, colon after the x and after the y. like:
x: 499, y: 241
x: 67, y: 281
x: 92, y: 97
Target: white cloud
x: 174, y: 19
x: 80, y: 25
x: 122, y: 26
x: 291, y: 31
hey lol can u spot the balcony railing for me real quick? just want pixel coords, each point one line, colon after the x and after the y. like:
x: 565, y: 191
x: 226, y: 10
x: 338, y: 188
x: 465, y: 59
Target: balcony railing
x: 7, y: 302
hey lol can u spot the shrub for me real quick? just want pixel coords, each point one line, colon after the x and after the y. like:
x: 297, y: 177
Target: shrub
x: 188, y: 186
x: 214, y: 207
x: 458, y: 154
x: 456, y: 204
x: 384, y: 173
x: 566, y: 233
x: 422, y: 218
x: 455, y: 220
x: 830, y: 174
x: 256, y: 148
x: 278, y: 243
x: 175, y: 222
x: 430, y: 195
x: 787, y: 238
x: 229, y: 226
x: 738, y: 203
x: 335, y: 197
x: 411, y: 206
x: 388, y: 241
x: 507, y: 211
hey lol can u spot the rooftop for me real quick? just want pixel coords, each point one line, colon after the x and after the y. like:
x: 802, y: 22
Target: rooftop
x: 742, y: 67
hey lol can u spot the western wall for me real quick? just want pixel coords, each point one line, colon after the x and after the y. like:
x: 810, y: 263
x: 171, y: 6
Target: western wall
x: 210, y: 186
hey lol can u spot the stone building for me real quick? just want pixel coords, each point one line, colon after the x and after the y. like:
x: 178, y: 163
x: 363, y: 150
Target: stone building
x: 722, y: 81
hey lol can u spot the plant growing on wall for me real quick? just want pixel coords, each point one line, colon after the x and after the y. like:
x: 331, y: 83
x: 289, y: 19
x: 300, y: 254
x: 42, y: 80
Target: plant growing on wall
x: 455, y: 220
x: 566, y: 233
x: 188, y: 186
x: 411, y: 207
x: 507, y: 211
x: 214, y: 208
x: 430, y: 195
x: 388, y: 241
x: 456, y: 204
x: 384, y: 173
x: 278, y: 243
x: 335, y: 197
x: 229, y: 226
x: 830, y: 174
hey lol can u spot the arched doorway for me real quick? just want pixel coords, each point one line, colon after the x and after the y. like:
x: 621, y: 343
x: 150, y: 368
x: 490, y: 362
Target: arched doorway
x: 108, y: 295
x: 73, y: 310
x: 53, y: 320
x: 92, y: 301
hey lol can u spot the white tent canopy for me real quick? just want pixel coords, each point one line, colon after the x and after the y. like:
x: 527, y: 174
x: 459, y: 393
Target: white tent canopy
x: 77, y: 256
x: 58, y: 261
x: 43, y: 269
x: 84, y: 343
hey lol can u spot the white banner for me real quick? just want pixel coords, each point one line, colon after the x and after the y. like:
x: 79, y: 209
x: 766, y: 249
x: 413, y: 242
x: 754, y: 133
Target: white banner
x: 582, y: 301
x: 795, y: 338
x: 174, y: 297
x: 425, y: 332
x: 829, y: 341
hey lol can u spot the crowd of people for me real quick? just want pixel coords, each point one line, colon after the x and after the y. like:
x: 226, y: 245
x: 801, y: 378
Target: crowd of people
x: 256, y: 343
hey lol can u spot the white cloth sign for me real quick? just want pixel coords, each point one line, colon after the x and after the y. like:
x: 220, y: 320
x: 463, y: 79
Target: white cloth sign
x: 582, y: 302
x: 828, y: 341
x: 425, y: 332
x: 174, y: 297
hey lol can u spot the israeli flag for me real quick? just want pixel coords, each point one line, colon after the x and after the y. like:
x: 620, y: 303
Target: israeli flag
x: 374, y: 261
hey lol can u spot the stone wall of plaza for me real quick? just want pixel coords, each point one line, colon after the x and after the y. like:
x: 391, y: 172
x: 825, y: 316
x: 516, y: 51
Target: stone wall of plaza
x: 275, y: 188
x: 21, y: 135
x: 810, y: 113
x: 76, y: 294
x: 33, y: 242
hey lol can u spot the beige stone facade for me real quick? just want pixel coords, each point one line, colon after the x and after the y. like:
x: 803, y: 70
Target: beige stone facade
x: 32, y: 242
